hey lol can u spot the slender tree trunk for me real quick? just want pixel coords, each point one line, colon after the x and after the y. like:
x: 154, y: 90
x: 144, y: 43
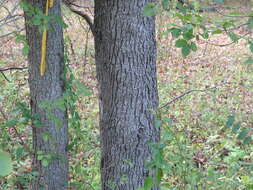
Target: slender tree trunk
x: 126, y: 72
x: 50, y: 139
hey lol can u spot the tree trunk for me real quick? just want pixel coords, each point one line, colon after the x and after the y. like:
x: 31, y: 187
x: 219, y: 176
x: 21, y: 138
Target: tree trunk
x: 51, y: 138
x: 126, y: 72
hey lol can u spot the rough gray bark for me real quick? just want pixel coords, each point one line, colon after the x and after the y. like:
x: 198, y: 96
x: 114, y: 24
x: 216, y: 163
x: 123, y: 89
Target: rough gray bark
x: 126, y: 72
x: 49, y: 87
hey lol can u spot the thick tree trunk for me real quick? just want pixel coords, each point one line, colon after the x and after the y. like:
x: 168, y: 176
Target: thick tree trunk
x: 49, y: 87
x: 126, y: 72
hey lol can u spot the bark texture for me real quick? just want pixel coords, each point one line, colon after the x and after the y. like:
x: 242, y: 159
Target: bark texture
x: 49, y: 87
x: 126, y: 71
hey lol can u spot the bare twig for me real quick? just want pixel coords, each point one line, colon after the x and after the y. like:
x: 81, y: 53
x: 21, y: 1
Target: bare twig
x: 13, y: 68
x: 184, y: 94
x: 10, y: 17
x: 85, y: 16
x: 5, y: 77
x: 10, y: 33
x: 86, y: 47
x: 9, y: 69
x: 79, y: 6
x: 10, y: 12
x: 227, y: 44
x: 10, y: 21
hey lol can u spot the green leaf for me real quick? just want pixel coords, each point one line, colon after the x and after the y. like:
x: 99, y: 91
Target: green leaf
x: 181, y: 43
x: 20, y: 38
x: 59, y: 21
x: 40, y: 157
x: 37, y: 20
x: 165, y: 4
x: 81, y: 89
x: 217, y: 31
x: 183, y: 9
x: 149, y: 9
x: 243, y: 134
x: 196, y: 5
x: 249, y: 61
x: 158, y: 158
x: 175, y: 32
x: 230, y: 121
x: 168, y: 120
x: 5, y: 163
x: 187, y: 17
x: 193, y: 46
x: 235, y: 13
x: 188, y: 35
x: 159, y: 176
x: 218, y: 1
x: 250, y: 23
x: 185, y: 50
x: 46, y: 136
x: 205, y: 35
x: 45, y: 162
x: 227, y: 24
x: 148, y: 183
x: 19, y: 152
x: 251, y: 46
x: 12, y: 122
x: 236, y: 127
x: 158, y: 123
x: 234, y: 37
x: 247, y: 140
x: 25, y: 50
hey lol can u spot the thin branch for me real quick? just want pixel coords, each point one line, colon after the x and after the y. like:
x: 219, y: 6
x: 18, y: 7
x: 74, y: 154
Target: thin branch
x: 79, y: 6
x: 10, y: 12
x: 232, y: 16
x: 85, y: 16
x: 13, y: 68
x: 236, y: 27
x: 9, y: 17
x: 221, y: 45
x: 86, y: 47
x: 184, y: 94
x: 227, y: 30
x: 10, y: 33
x: 230, y: 43
x: 9, y: 69
x: 5, y: 77
x: 9, y: 21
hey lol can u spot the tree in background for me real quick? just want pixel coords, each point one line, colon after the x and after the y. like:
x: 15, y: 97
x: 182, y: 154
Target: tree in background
x: 126, y: 71
x: 50, y: 134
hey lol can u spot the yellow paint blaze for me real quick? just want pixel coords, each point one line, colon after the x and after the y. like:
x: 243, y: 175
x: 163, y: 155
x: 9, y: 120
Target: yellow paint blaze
x: 49, y: 4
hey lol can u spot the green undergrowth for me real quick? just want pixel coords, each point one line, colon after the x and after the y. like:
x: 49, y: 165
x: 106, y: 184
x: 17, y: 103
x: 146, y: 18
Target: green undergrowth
x: 201, y: 148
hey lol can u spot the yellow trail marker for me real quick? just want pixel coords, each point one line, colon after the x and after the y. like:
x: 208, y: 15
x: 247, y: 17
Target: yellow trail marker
x: 49, y: 4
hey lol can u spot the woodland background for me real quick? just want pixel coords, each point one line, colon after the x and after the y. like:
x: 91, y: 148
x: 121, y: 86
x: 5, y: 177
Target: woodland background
x: 200, y: 152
